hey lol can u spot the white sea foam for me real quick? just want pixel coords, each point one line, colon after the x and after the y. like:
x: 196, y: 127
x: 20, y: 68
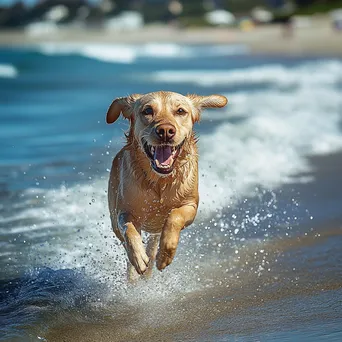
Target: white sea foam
x: 8, y: 71
x: 103, y: 52
x: 270, y: 145
x: 277, y: 129
x: 123, y: 53
x: 317, y: 73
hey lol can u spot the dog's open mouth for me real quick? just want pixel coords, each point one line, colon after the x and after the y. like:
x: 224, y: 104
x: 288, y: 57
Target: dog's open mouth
x: 162, y: 156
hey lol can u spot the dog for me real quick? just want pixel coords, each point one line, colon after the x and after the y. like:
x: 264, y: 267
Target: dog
x: 153, y: 183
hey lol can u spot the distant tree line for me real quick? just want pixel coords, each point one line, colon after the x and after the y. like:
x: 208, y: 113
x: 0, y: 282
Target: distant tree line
x: 195, y: 6
x: 152, y: 10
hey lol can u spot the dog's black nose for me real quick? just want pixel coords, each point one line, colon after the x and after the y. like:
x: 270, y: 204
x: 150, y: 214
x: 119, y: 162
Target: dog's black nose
x: 165, y: 132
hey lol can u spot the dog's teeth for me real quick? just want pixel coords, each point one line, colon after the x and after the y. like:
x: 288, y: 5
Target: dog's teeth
x: 152, y: 149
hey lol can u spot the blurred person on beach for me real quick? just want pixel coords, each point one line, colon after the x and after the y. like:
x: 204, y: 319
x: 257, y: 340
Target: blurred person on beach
x: 174, y: 10
x: 210, y: 5
x: 336, y: 19
x: 283, y: 11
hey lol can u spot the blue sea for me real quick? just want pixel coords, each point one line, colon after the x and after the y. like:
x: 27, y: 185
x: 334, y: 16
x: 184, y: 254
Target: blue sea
x: 262, y: 261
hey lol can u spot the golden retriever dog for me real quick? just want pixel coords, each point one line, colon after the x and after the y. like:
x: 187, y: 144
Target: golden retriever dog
x: 153, y: 184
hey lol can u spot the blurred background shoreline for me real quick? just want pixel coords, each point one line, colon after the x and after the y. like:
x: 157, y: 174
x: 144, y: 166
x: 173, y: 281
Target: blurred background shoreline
x: 265, y: 40
x: 263, y: 27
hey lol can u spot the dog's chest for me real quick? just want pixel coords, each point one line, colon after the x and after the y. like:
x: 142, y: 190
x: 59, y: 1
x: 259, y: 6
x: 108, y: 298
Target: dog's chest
x: 152, y: 215
x: 154, y: 208
x: 160, y: 199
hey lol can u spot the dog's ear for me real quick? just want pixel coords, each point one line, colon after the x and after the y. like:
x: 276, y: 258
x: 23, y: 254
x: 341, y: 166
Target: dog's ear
x: 211, y: 101
x: 122, y: 105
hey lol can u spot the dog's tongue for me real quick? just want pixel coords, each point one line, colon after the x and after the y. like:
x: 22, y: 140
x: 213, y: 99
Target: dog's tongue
x: 163, y: 154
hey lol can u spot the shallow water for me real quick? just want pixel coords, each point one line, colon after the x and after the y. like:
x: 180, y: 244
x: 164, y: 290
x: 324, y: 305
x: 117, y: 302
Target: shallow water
x: 263, y: 260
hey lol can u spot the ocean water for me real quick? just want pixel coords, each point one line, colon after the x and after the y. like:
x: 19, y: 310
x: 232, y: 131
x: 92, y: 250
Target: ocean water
x: 263, y: 260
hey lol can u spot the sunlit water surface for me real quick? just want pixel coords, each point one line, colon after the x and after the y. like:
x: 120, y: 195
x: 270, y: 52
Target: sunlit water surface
x: 262, y: 262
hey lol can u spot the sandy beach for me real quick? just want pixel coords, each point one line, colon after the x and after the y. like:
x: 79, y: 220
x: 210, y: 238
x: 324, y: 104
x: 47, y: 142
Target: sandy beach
x: 317, y: 38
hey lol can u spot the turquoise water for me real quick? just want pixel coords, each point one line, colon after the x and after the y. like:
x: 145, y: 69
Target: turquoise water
x: 263, y: 260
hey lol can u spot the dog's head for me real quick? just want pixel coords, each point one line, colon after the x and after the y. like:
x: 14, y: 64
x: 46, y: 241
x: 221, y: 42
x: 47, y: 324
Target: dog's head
x: 161, y: 122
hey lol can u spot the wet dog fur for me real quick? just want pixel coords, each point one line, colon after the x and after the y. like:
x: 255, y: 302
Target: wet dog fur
x: 153, y: 184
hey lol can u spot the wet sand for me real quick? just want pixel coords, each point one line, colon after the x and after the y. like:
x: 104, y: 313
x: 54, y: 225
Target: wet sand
x: 250, y: 306
x: 301, y: 285
x: 317, y: 39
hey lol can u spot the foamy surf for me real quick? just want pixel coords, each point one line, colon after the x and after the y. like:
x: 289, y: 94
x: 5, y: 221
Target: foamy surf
x: 128, y: 54
x: 8, y: 71
x: 318, y: 73
x: 275, y: 131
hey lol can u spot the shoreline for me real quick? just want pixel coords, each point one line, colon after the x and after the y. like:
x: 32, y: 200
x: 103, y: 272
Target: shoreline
x: 317, y: 39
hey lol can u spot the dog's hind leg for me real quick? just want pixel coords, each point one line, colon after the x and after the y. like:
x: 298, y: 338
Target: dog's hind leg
x: 151, y: 250
x: 132, y: 275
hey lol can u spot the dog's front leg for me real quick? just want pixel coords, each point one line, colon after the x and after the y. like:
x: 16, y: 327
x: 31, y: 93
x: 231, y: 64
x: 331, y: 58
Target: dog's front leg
x: 178, y: 219
x: 133, y: 243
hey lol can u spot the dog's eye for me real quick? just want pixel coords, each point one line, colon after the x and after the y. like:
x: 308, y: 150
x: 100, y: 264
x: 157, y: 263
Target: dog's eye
x: 181, y: 111
x: 148, y: 111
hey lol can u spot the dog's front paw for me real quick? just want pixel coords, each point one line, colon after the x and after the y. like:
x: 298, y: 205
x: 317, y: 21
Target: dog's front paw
x: 137, y: 254
x: 164, y: 259
x: 166, y: 253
